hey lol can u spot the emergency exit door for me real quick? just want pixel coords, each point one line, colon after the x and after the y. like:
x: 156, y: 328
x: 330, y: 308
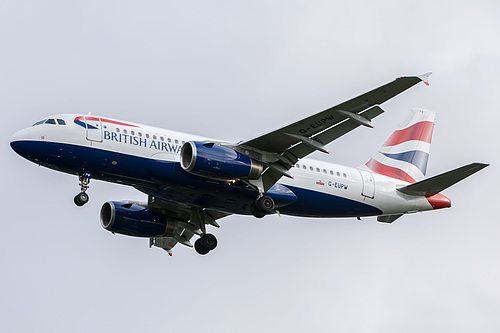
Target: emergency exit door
x: 368, y: 184
x: 94, y: 128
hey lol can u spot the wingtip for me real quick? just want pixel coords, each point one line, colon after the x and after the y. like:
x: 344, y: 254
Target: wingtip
x: 481, y: 165
x: 425, y: 77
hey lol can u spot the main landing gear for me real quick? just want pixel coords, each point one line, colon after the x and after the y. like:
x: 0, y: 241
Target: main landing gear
x: 263, y: 206
x: 207, y: 242
x: 82, y: 198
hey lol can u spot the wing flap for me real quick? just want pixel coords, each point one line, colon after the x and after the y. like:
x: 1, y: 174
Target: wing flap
x: 301, y: 150
x: 187, y: 225
x: 335, y: 132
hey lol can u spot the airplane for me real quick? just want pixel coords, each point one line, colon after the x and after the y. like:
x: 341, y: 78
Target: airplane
x: 193, y: 181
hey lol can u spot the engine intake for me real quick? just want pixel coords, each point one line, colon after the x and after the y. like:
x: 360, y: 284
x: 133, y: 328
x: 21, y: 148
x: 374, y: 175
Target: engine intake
x: 134, y: 220
x: 217, y: 162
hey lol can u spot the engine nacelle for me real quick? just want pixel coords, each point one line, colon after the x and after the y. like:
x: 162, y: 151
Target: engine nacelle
x: 134, y: 220
x: 216, y: 162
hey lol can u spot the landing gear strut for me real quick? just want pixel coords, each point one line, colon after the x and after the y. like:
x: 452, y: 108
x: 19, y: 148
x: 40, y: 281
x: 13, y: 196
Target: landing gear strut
x: 206, y: 242
x: 82, y: 198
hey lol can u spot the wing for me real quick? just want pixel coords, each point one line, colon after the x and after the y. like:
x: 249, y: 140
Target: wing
x: 281, y: 149
x: 190, y: 221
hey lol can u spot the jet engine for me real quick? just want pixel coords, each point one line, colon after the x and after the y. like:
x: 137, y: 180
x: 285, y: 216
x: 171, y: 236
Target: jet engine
x: 217, y: 162
x: 134, y: 220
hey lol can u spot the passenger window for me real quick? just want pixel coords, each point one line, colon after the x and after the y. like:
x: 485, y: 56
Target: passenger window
x: 345, y: 176
x: 117, y: 130
x: 297, y: 166
x: 147, y: 135
x: 304, y: 167
x: 125, y: 131
x: 50, y: 121
x: 162, y: 138
x: 154, y: 137
x: 61, y: 122
x: 331, y: 172
x: 311, y: 168
x: 140, y: 134
x: 317, y: 169
x: 176, y: 141
x: 39, y: 122
x: 338, y: 174
x: 169, y: 140
x: 132, y: 133
x: 324, y: 171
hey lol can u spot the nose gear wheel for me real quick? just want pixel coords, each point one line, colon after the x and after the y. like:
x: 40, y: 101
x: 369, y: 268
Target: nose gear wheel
x: 82, y: 198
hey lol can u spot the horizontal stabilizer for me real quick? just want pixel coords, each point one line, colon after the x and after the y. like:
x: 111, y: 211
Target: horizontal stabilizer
x: 436, y: 184
x: 388, y: 218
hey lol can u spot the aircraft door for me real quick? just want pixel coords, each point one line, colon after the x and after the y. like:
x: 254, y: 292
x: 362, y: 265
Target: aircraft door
x: 368, y: 184
x: 94, y: 128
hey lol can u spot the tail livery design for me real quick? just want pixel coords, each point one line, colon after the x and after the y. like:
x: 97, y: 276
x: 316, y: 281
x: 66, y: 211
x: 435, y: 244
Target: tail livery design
x: 405, y: 154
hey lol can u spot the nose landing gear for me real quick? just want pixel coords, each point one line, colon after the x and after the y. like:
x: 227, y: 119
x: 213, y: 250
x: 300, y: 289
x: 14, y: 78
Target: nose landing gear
x: 82, y: 198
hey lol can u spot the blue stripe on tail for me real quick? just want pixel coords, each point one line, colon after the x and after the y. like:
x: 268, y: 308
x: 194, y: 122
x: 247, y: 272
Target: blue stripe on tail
x: 416, y: 157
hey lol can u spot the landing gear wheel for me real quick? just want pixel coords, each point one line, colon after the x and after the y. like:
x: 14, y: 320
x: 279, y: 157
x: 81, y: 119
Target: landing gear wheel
x: 256, y: 213
x: 205, y: 244
x: 209, y: 241
x: 266, y: 204
x: 199, y: 248
x: 81, y: 199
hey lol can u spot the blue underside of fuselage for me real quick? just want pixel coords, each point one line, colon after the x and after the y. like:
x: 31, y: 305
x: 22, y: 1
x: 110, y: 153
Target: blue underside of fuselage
x: 168, y: 181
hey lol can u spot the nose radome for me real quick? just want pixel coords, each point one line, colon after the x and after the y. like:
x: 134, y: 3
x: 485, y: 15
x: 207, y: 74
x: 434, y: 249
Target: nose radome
x: 28, y: 133
x: 19, y: 141
x: 16, y: 136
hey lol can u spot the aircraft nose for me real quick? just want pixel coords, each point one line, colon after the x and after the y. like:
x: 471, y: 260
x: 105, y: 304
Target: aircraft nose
x: 20, y: 142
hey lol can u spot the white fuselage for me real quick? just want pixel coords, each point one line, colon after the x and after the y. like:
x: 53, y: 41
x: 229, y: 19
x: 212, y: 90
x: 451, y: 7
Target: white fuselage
x: 322, y: 188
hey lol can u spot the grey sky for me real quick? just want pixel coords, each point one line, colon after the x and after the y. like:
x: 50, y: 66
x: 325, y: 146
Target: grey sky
x: 233, y: 71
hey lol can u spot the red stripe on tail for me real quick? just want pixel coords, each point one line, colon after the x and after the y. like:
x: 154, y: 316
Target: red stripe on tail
x: 389, y: 171
x: 421, y: 131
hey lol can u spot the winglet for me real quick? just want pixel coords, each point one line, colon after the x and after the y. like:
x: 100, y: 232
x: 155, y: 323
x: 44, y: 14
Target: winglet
x: 425, y: 77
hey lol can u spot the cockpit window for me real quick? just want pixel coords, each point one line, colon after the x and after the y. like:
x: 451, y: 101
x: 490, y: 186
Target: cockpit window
x: 61, y: 122
x: 50, y: 121
x: 39, y: 122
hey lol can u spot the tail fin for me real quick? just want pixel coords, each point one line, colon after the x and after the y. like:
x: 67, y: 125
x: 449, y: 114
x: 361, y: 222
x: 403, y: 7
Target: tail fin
x: 405, y: 154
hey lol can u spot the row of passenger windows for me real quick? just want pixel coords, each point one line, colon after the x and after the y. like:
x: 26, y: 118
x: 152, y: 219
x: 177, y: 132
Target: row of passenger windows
x: 51, y: 122
x: 139, y: 134
x: 332, y: 173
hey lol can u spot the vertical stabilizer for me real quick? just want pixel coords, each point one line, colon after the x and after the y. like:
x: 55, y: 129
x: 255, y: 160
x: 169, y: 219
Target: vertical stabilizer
x: 405, y: 154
